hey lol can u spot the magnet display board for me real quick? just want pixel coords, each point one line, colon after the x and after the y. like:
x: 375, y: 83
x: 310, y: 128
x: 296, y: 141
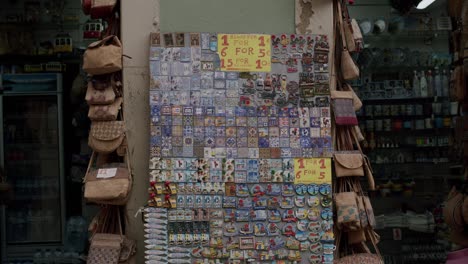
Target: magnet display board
x: 240, y: 146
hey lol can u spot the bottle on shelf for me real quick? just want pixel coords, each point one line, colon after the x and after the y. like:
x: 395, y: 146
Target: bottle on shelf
x: 445, y: 84
x: 423, y: 85
x: 437, y: 83
x: 430, y: 84
x: 416, y: 85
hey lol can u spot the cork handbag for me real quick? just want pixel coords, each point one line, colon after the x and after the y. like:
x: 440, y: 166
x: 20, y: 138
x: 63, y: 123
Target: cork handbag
x: 109, y: 183
x: 349, y: 69
x: 106, y: 136
x: 347, y: 211
x: 103, y: 56
x: 105, y: 112
x: 348, y: 164
x: 343, y: 108
x: 108, y: 244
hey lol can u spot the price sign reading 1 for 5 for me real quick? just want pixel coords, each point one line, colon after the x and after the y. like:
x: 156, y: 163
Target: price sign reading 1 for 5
x: 245, y: 52
x: 315, y: 170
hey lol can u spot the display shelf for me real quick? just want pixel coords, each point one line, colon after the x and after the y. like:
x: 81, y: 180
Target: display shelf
x: 23, y: 59
x: 403, y: 117
x: 394, y: 100
x: 435, y: 131
x: 41, y: 26
x: 409, y: 35
x: 409, y: 163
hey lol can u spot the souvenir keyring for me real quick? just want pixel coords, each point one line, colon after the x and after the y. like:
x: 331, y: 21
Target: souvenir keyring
x: 313, y: 214
x: 301, y: 213
x: 326, y: 214
x: 326, y: 201
x: 313, y: 189
x: 314, y: 226
x: 313, y: 201
x: 300, y: 189
x: 316, y: 248
x: 301, y: 235
x: 302, y: 225
x: 299, y: 201
x: 287, y: 190
x: 273, y: 229
x: 305, y: 245
x: 325, y: 189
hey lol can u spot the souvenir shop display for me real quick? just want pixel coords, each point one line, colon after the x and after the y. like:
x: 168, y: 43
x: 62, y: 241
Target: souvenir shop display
x: 240, y: 151
x: 108, y: 179
x: 355, y: 221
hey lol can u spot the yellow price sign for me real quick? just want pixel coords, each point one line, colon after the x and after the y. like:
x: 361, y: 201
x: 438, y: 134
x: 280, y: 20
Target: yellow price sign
x: 314, y: 170
x: 244, y: 52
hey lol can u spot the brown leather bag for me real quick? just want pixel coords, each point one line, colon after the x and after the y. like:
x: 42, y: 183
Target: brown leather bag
x: 103, y: 56
x: 348, y: 164
x: 105, y: 112
x: 106, y: 136
x: 108, y: 184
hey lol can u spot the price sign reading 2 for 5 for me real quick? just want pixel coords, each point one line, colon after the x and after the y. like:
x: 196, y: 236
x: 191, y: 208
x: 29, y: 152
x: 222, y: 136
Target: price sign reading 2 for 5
x: 315, y: 170
x: 244, y: 52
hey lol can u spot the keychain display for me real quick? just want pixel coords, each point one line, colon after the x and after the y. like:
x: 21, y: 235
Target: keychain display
x: 225, y: 145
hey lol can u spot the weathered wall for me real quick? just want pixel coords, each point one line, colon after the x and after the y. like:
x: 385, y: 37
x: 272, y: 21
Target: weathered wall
x: 139, y: 18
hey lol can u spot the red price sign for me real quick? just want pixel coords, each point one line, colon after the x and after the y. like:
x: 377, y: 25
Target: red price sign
x: 245, y: 52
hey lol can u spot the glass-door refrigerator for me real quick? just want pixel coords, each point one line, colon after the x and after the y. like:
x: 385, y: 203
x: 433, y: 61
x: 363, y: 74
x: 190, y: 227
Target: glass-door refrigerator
x: 31, y: 153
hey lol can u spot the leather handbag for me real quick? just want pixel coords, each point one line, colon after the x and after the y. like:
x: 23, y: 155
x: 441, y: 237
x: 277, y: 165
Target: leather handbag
x: 103, y: 56
x: 106, y: 136
x: 348, y: 164
x: 343, y: 108
x: 109, y: 183
x: 102, y: 8
x: 105, y: 112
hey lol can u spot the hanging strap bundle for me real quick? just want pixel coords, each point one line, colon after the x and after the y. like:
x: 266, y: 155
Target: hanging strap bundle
x: 108, y: 243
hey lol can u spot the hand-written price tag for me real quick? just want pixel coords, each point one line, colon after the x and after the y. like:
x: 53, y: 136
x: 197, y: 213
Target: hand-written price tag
x: 106, y: 173
x: 245, y: 52
x: 315, y: 170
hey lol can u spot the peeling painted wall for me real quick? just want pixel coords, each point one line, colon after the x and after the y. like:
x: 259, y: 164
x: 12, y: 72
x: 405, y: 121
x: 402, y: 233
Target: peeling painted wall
x: 139, y: 18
